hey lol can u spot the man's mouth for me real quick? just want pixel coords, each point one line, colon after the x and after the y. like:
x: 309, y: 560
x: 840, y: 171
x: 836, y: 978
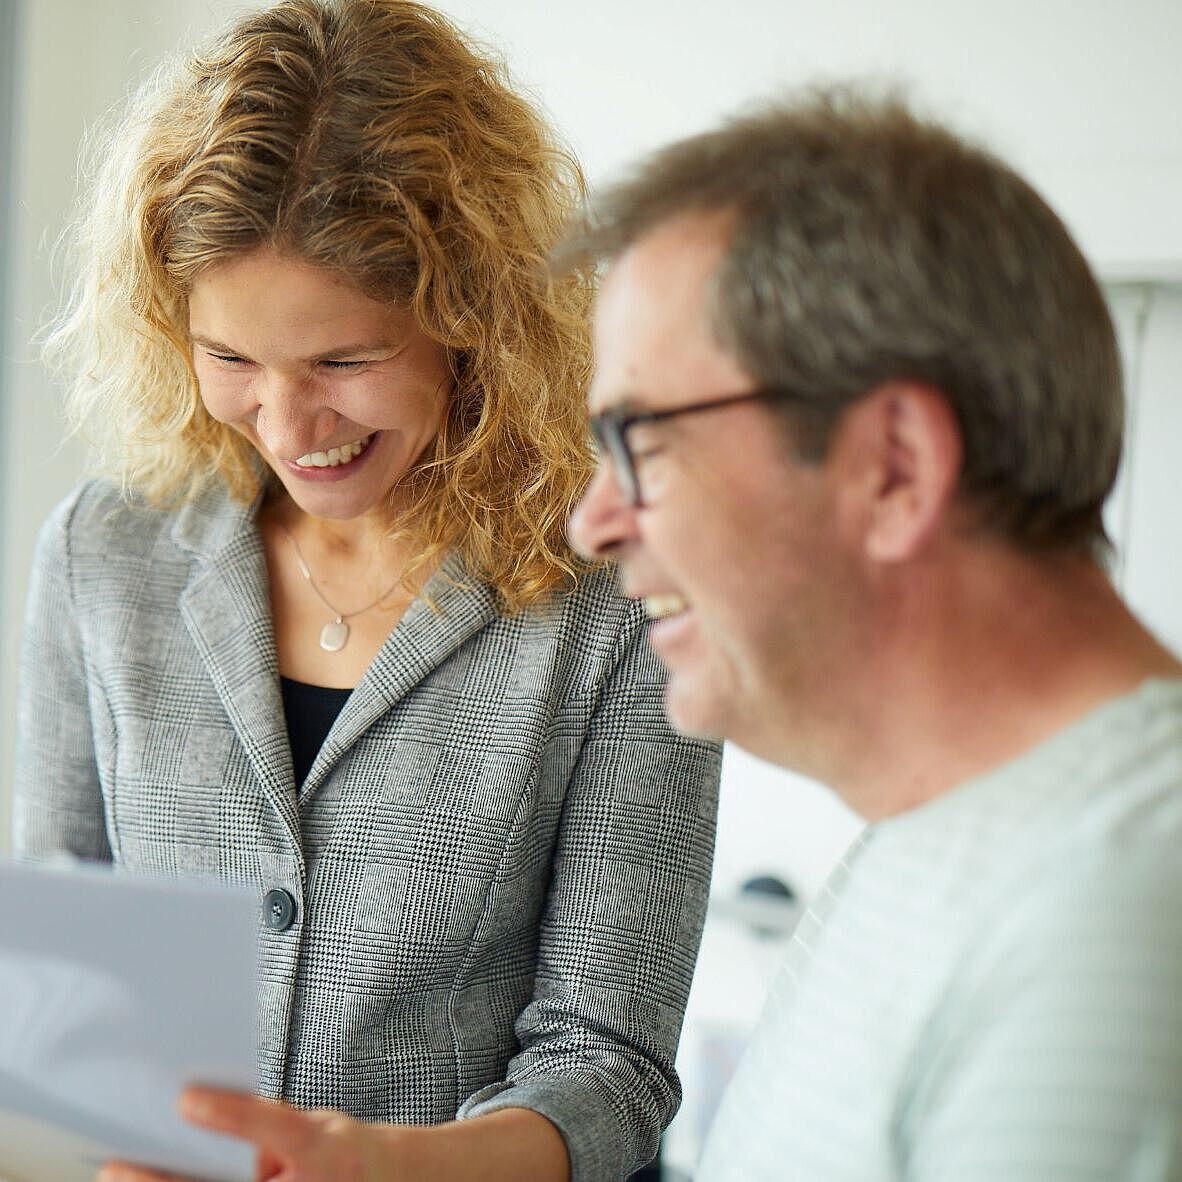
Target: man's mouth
x: 335, y: 457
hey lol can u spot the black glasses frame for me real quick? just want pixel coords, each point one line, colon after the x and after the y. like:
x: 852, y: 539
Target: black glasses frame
x: 610, y: 430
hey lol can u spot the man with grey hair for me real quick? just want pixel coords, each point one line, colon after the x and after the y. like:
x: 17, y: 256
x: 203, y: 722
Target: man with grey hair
x: 858, y: 405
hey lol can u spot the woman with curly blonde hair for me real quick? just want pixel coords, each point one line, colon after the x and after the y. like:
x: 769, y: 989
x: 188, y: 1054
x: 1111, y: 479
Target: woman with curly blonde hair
x: 317, y: 628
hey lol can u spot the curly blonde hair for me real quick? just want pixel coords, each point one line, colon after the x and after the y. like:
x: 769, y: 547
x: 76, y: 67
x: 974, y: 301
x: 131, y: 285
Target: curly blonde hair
x: 368, y: 138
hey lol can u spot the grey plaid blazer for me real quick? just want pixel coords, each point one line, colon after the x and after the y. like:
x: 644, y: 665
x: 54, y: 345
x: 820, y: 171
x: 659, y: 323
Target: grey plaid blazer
x: 500, y: 856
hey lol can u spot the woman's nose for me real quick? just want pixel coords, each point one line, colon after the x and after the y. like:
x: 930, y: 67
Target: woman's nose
x: 291, y: 421
x: 603, y: 520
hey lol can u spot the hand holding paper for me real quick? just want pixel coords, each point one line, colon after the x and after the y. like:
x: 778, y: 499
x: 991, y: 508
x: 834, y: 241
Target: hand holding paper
x: 293, y: 1145
x: 298, y: 1146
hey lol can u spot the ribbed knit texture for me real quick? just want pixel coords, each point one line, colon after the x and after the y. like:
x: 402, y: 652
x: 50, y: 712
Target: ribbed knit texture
x: 990, y: 989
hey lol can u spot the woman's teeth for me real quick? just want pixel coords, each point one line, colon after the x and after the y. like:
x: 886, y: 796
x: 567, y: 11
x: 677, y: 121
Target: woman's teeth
x: 335, y: 456
x: 657, y: 607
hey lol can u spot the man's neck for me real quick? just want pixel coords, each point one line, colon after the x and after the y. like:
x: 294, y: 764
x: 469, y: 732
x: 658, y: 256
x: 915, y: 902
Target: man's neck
x: 985, y: 659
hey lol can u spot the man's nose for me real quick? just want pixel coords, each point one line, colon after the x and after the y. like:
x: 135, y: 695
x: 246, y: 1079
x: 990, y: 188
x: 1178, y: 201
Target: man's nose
x: 291, y: 420
x: 603, y: 520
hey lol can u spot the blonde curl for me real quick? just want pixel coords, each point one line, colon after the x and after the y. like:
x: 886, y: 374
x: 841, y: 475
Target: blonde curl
x: 367, y: 137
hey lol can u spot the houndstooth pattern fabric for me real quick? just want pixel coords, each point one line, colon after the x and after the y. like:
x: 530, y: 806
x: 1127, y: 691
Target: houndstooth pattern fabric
x: 500, y: 856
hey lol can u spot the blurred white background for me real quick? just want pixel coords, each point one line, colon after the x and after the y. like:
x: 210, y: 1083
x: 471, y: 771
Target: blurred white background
x: 1081, y: 95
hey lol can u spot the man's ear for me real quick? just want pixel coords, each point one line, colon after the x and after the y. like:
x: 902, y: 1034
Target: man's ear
x: 899, y: 452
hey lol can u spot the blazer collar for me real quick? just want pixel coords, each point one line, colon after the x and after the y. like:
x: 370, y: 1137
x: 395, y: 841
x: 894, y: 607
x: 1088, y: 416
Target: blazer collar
x: 227, y: 611
x: 452, y: 608
x: 212, y: 521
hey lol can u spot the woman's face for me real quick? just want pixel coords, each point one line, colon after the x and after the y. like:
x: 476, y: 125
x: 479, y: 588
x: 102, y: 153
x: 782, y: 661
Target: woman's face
x: 339, y: 393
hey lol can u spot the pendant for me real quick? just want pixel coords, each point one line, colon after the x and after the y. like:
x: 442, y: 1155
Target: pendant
x: 334, y: 636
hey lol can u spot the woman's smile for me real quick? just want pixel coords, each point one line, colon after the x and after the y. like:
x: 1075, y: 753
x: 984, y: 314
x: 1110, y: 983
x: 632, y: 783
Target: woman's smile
x: 335, y: 457
x: 340, y: 393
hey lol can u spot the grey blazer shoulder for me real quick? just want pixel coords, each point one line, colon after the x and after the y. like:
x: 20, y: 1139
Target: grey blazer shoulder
x: 500, y: 857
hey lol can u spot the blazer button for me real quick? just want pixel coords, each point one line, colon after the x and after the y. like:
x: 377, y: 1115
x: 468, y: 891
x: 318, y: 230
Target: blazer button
x: 279, y: 910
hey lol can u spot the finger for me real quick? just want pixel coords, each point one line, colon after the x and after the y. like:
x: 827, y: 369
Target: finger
x: 118, y: 1171
x: 269, y: 1124
x: 267, y: 1167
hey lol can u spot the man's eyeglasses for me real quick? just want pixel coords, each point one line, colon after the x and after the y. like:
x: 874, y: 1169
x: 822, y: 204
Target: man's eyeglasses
x: 610, y: 431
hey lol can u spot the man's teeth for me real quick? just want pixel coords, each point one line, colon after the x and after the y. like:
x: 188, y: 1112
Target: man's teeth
x: 657, y: 607
x: 335, y: 456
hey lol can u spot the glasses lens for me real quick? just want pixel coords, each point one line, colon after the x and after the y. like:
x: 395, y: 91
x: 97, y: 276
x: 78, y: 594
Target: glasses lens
x: 609, y: 436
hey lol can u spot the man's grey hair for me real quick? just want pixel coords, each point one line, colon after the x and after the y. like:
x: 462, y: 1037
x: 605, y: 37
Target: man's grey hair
x: 870, y: 245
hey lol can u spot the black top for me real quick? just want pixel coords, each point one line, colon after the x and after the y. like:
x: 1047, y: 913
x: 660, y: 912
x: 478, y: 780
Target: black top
x: 310, y: 711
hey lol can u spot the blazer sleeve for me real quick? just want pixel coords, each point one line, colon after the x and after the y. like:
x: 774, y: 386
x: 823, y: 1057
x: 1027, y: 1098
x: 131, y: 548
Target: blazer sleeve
x: 57, y: 799
x: 620, y: 929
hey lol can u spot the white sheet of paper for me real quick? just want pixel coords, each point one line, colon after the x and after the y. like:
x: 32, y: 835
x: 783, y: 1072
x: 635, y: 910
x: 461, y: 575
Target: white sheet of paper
x: 116, y: 992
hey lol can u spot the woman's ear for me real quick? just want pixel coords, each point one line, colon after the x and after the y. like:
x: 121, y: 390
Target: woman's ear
x: 900, y: 451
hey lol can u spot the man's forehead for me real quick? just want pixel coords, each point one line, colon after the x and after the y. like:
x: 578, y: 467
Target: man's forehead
x: 653, y: 324
x: 686, y: 247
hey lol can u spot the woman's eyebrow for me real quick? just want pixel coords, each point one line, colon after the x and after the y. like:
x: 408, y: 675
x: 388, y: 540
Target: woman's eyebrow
x: 209, y: 343
x: 376, y: 346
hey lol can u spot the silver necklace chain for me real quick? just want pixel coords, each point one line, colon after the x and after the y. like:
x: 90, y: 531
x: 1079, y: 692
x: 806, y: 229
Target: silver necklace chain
x: 335, y: 634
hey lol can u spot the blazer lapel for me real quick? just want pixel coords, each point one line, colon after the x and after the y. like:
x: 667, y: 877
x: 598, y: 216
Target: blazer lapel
x: 228, y: 614
x: 424, y: 638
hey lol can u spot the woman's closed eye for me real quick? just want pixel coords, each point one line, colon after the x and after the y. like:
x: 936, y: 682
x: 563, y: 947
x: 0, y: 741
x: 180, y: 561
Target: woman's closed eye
x: 327, y: 363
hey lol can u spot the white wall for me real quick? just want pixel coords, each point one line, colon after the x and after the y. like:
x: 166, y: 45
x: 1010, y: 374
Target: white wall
x: 1150, y: 521
x: 1082, y: 95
